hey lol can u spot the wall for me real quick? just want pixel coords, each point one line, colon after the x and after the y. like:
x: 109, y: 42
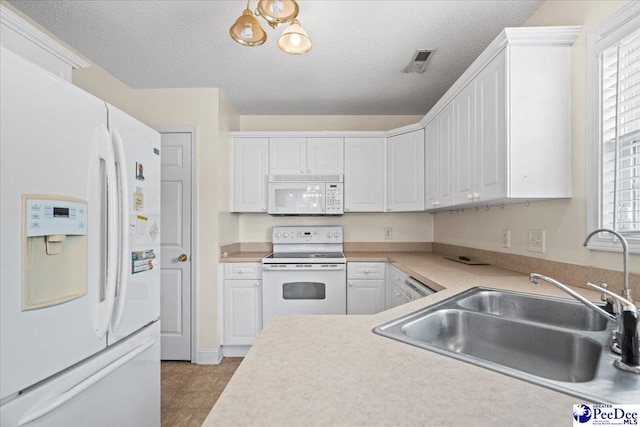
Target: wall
x: 358, y: 227
x: 563, y: 220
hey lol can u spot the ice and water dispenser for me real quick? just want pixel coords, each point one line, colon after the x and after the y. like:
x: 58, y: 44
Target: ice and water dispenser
x: 54, y: 250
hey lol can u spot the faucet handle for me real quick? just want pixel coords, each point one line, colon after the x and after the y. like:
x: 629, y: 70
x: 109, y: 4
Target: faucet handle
x: 627, y: 305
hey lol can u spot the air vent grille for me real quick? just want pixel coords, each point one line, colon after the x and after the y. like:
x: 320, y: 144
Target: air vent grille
x: 419, y: 61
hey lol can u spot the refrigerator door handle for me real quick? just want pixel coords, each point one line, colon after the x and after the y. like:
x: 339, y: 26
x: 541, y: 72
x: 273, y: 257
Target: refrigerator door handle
x: 105, y: 308
x: 123, y: 185
x: 51, y: 404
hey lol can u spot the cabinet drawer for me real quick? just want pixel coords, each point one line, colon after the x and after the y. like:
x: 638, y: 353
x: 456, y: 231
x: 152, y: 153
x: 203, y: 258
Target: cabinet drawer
x: 242, y: 270
x: 365, y: 270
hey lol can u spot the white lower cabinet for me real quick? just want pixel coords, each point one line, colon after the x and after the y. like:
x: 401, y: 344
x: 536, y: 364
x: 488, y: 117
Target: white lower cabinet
x: 395, y: 287
x: 242, y: 303
x: 365, y: 287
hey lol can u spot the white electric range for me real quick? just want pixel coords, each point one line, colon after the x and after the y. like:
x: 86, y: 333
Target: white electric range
x: 306, y: 273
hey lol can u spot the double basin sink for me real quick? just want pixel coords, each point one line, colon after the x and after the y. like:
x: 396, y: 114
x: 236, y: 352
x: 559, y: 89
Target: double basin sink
x: 553, y: 342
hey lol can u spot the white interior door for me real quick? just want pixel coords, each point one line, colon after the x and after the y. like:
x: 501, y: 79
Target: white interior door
x: 175, y: 306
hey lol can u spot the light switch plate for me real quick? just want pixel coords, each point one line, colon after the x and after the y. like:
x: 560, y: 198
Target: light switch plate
x: 536, y: 241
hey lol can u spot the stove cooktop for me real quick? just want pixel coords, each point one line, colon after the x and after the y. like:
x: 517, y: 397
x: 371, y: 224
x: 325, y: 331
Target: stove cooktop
x: 281, y: 257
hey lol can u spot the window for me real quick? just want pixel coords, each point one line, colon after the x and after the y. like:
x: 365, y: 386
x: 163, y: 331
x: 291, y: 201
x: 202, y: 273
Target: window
x: 613, y: 190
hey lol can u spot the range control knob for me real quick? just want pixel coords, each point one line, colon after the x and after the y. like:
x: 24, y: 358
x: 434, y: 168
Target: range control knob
x: 278, y: 234
x: 328, y: 234
x: 285, y: 235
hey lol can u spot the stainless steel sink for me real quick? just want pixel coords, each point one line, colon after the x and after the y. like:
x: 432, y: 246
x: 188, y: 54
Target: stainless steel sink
x: 553, y: 311
x: 549, y: 353
x: 526, y: 336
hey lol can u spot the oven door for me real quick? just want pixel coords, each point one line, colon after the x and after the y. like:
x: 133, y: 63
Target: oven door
x: 296, y: 198
x: 303, y: 289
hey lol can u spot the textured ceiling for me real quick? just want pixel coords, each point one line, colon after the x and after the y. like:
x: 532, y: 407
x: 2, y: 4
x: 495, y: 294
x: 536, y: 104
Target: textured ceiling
x: 355, y: 66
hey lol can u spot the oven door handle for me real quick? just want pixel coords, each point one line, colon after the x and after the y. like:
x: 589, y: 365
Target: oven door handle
x: 303, y: 267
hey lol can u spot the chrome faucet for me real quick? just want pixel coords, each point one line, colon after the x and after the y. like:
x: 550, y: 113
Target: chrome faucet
x: 533, y: 278
x: 626, y: 292
x: 628, y: 323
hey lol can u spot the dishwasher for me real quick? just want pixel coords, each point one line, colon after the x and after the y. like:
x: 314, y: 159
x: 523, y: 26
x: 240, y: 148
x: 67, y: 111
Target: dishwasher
x: 405, y: 288
x: 415, y: 289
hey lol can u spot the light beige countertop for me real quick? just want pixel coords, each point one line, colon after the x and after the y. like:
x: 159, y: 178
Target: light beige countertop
x: 334, y: 371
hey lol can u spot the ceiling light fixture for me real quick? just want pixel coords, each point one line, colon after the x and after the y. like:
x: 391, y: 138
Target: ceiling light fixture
x: 248, y: 32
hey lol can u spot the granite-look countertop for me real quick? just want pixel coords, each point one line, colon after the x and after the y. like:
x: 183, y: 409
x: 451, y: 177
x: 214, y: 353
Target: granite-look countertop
x: 334, y: 371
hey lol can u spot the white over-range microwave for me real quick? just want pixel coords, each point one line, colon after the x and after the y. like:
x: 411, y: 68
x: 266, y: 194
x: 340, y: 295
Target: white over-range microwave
x: 305, y: 195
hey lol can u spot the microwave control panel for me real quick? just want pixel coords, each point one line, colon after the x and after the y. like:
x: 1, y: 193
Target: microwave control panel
x: 333, y: 200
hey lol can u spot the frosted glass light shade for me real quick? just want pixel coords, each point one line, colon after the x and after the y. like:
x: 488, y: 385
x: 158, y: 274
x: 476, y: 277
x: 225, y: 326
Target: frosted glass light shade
x: 294, y: 40
x: 277, y: 12
x: 247, y: 30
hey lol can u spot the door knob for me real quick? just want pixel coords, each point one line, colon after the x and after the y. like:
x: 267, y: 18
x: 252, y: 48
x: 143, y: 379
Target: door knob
x: 182, y: 257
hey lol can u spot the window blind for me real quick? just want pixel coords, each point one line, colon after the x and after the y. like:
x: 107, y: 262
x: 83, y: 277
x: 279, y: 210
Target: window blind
x: 620, y: 150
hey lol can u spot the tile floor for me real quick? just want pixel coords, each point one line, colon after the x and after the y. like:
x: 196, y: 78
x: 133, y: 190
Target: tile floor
x: 189, y: 391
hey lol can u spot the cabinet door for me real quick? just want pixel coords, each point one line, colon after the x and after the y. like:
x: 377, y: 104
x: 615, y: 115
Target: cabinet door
x: 431, y: 165
x: 364, y: 174
x: 464, y: 106
x: 405, y: 185
x: 365, y: 296
x: 287, y: 155
x: 242, y: 305
x: 325, y: 155
x: 445, y: 156
x: 250, y: 170
x: 492, y: 130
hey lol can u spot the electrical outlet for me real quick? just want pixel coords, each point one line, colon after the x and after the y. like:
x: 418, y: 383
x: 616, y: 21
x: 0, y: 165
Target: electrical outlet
x: 536, y: 241
x: 388, y: 233
x: 506, y: 238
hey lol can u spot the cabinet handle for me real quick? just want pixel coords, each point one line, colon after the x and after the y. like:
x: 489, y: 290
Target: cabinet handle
x: 476, y: 196
x: 301, y: 170
x: 257, y: 284
x: 350, y: 283
x: 366, y: 272
x: 470, y: 196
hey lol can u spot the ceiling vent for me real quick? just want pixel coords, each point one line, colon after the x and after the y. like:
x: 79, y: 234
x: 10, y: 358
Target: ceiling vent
x: 419, y: 61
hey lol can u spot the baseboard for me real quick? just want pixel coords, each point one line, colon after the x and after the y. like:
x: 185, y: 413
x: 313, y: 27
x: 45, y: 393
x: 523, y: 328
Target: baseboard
x: 209, y: 356
x: 235, y: 350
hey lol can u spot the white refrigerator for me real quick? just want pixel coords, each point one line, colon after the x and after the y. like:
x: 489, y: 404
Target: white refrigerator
x: 79, y: 256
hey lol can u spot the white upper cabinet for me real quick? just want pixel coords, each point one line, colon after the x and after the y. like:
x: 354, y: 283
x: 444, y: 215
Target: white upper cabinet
x: 288, y: 156
x: 491, y: 136
x: 250, y: 169
x: 364, y: 174
x: 405, y: 172
x: 325, y: 155
x: 502, y: 133
x: 445, y: 150
x: 431, y: 165
x: 464, y: 145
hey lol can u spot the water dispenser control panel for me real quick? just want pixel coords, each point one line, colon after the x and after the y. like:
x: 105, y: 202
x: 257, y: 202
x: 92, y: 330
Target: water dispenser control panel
x: 46, y: 217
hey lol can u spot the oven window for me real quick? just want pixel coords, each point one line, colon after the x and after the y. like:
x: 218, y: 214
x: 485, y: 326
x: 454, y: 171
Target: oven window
x: 303, y: 290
